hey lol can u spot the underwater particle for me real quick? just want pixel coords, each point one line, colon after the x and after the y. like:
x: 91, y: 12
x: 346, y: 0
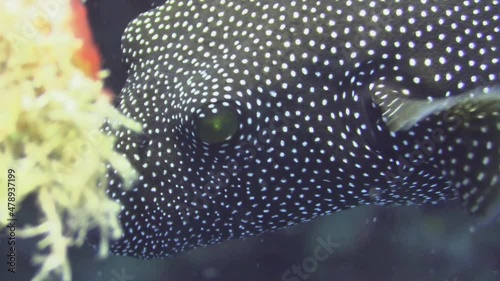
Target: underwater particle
x: 210, y: 273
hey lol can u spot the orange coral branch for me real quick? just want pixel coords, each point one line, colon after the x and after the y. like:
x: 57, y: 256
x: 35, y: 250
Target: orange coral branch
x: 87, y: 58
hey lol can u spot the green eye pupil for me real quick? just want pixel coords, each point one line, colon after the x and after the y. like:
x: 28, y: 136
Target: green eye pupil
x: 217, y: 127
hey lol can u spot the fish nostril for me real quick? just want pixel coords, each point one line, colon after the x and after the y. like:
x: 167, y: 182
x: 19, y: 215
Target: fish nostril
x: 142, y: 143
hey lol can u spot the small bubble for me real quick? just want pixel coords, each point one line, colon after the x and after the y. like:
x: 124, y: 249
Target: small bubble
x: 210, y: 273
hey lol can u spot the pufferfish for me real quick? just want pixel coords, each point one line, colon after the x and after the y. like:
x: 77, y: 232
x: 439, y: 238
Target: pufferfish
x: 262, y: 114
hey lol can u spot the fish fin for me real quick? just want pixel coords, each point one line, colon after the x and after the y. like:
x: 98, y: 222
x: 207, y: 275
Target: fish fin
x: 477, y: 140
x: 401, y: 112
x: 480, y: 197
x: 489, y: 211
x: 474, y: 117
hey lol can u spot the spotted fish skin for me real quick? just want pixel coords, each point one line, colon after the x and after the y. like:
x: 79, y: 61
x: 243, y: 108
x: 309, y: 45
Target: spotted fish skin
x: 320, y: 89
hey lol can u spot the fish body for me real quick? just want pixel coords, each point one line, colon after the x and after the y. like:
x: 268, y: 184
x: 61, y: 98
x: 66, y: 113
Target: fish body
x: 258, y: 115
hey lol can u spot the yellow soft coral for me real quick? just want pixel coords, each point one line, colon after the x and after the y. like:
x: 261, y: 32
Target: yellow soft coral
x: 49, y: 138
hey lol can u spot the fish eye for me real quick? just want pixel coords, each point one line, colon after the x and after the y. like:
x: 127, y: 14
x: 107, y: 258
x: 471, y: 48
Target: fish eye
x: 216, y: 123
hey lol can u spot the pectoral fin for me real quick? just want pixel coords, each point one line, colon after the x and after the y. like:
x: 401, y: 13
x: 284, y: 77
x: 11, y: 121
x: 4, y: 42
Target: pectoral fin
x: 401, y: 112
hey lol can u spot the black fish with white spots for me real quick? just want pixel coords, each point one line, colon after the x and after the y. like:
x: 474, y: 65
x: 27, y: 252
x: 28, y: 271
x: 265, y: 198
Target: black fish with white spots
x: 258, y: 115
